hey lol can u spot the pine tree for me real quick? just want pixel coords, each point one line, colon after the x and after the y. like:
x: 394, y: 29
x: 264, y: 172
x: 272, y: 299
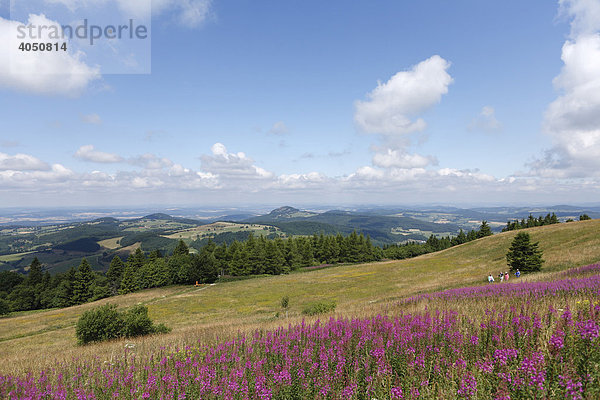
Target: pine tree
x: 484, y: 230
x: 35, y: 275
x: 524, y: 255
x: 181, y: 249
x: 115, y: 274
x: 83, y: 286
x: 129, y: 281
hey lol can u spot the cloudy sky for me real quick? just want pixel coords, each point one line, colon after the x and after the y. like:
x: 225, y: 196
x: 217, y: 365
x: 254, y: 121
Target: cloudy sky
x: 335, y: 102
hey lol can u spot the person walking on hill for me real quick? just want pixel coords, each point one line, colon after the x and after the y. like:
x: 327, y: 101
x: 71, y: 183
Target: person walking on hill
x: 506, y: 276
x: 518, y: 273
x: 501, y: 276
x: 491, y: 278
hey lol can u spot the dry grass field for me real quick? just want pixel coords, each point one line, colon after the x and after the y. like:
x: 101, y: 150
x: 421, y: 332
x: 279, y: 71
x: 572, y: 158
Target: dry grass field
x: 32, y: 340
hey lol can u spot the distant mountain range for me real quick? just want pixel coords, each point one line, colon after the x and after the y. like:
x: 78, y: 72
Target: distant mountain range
x: 62, y: 245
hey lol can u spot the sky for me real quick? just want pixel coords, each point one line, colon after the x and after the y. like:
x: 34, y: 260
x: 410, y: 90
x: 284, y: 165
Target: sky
x: 239, y: 102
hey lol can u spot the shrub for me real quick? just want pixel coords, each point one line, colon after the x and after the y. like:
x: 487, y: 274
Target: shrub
x: 106, y: 323
x: 137, y: 322
x: 4, y: 307
x: 100, y: 324
x: 321, y: 307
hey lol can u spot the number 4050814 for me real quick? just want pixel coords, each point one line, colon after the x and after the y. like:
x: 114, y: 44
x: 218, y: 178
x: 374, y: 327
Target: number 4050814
x: 26, y: 46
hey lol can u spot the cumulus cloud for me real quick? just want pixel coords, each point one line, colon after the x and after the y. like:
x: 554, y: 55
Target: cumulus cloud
x: 93, y: 119
x: 232, y: 165
x: 392, y: 107
x: 486, y: 121
x: 234, y: 177
x: 88, y: 153
x: 38, y: 179
x: 573, y: 119
x: 21, y: 162
x: 398, y: 159
x: 49, y: 73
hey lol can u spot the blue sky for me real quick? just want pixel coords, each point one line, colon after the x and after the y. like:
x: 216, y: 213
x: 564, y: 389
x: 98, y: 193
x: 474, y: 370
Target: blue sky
x: 250, y: 102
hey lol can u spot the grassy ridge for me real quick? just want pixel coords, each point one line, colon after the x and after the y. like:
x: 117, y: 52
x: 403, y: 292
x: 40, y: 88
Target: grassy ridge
x: 31, y: 339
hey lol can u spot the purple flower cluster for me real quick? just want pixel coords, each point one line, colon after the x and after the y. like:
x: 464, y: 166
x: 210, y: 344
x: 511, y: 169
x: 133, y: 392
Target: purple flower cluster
x: 589, y: 285
x: 507, y: 352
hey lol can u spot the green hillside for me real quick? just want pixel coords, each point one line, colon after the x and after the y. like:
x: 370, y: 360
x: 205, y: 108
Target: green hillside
x: 224, y: 308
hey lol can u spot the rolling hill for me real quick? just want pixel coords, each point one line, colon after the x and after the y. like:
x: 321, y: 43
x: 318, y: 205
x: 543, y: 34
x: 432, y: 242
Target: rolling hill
x: 32, y: 339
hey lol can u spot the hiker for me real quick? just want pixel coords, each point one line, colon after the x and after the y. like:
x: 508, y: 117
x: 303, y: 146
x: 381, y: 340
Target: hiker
x: 501, y: 276
x: 491, y: 278
x: 506, y: 276
x: 518, y: 273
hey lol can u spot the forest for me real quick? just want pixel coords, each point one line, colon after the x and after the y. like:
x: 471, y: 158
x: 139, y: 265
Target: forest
x: 253, y: 257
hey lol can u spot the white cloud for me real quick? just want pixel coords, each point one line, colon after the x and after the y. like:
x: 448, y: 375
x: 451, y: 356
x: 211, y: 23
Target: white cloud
x: 584, y: 14
x: 151, y: 161
x: 486, y: 121
x: 88, y: 153
x: 573, y: 119
x: 278, y: 128
x: 93, y: 119
x: 391, y: 107
x: 233, y: 178
x: 21, y: 162
x: 51, y: 73
x: 41, y: 180
x: 398, y: 159
x: 232, y: 166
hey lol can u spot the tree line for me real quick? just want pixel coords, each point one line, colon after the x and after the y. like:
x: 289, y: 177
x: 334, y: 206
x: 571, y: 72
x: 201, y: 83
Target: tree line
x: 255, y: 256
x: 433, y: 243
x: 532, y: 222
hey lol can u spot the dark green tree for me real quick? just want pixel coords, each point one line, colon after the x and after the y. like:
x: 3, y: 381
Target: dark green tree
x: 181, y: 249
x: 83, y: 287
x: 524, y: 255
x: 129, y: 282
x: 485, y: 230
x: 584, y: 217
x: 115, y: 274
x: 35, y: 275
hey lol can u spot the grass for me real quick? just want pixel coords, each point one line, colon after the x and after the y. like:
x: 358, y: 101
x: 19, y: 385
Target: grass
x: 14, y: 256
x: 112, y: 243
x: 216, y: 228
x: 32, y: 340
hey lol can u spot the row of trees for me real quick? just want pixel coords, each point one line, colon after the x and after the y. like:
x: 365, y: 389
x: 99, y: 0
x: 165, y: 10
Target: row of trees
x: 531, y: 221
x: 413, y: 249
x: 255, y: 256
x: 41, y: 290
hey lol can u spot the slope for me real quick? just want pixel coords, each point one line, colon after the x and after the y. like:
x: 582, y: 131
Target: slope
x: 32, y: 339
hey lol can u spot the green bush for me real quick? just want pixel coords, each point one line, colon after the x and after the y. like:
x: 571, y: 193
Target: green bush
x: 100, y: 324
x: 321, y: 307
x: 137, y: 322
x: 4, y: 307
x: 106, y: 323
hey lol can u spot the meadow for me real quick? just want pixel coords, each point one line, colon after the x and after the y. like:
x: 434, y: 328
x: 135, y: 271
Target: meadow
x: 401, y: 328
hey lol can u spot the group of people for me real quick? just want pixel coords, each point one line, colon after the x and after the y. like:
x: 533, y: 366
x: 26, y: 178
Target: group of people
x: 502, y: 276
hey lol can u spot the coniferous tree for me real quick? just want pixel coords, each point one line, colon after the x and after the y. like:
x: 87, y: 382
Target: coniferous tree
x: 181, y: 249
x: 35, y: 276
x: 83, y: 289
x: 524, y: 255
x: 115, y: 274
x: 484, y: 230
